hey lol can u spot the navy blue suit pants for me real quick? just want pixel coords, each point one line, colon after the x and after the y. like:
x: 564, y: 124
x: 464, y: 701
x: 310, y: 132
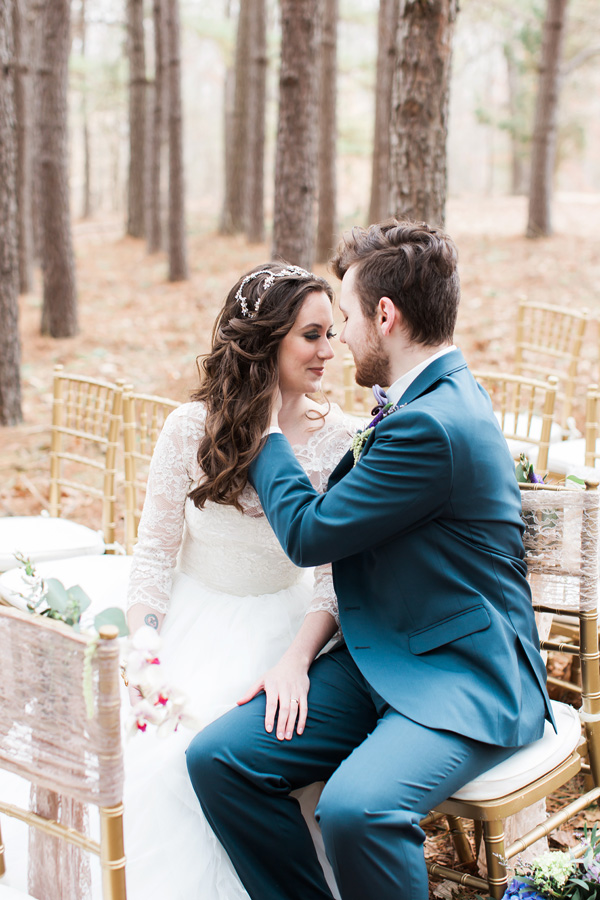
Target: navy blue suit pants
x: 384, y: 772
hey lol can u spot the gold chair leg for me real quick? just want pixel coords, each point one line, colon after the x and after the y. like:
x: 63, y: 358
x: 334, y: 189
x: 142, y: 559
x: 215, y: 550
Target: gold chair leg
x: 112, y: 857
x: 2, y: 860
x: 461, y: 842
x: 493, y: 836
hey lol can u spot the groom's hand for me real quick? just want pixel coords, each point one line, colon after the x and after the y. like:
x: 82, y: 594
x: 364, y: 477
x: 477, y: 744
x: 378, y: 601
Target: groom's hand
x: 286, y: 688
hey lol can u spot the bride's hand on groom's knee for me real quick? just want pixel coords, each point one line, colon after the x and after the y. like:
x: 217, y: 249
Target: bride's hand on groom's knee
x: 286, y: 688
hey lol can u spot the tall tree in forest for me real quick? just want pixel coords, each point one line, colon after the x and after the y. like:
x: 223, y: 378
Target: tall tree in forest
x: 419, y: 119
x: 543, y: 151
x: 137, y: 118
x: 86, y: 206
x: 254, y: 217
x: 10, y: 348
x: 232, y: 219
x: 156, y: 131
x: 228, y: 119
x: 379, y: 206
x: 297, y: 133
x: 23, y: 108
x: 37, y: 8
x: 59, y: 310
x: 178, y: 268
x: 327, y: 224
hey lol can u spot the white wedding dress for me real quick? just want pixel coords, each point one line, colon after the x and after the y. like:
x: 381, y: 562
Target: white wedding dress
x: 234, y: 603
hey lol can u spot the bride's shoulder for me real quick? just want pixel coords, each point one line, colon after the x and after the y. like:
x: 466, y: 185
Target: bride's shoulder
x: 186, y: 420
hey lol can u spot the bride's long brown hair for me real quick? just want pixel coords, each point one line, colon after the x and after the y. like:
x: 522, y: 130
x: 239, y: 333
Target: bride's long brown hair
x: 240, y: 376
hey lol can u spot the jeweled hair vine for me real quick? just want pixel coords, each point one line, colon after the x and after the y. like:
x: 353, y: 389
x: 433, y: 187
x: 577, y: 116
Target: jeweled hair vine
x: 267, y: 283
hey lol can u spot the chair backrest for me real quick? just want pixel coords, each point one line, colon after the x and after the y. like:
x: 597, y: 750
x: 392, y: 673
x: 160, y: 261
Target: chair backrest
x: 524, y: 408
x: 60, y: 730
x: 143, y: 418
x: 549, y: 341
x: 561, y: 541
x: 592, y: 417
x: 86, y: 426
x: 358, y: 401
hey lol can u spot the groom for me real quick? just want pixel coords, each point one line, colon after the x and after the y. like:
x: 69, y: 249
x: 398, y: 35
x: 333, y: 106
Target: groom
x: 440, y: 677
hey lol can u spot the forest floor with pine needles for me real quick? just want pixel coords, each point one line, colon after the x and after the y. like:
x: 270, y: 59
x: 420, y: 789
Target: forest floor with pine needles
x: 137, y: 326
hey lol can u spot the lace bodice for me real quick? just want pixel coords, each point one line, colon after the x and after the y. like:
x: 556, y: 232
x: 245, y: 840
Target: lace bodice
x: 219, y: 546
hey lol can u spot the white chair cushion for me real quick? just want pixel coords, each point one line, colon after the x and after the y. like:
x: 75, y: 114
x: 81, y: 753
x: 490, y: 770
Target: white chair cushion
x: 45, y: 537
x: 531, y: 762
x: 568, y: 458
x: 535, y: 430
x: 103, y: 578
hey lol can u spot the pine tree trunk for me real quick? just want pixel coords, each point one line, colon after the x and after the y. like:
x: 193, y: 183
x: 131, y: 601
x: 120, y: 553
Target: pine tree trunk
x: 254, y: 216
x: 137, y: 118
x: 23, y: 108
x: 157, y: 131
x: 178, y: 269
x: 236, y: 172
x: 327, y: 220
x: 297, y: 134
x: 419, y: 121
x: 379, y: 206
x: 543, y: 150
x: 517, y: 163
x: 59, y: 311
x: 10, y: 348
x: 86, y: 206
x: 37, y: 39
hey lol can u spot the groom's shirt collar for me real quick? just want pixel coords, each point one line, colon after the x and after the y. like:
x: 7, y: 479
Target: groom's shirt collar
x: 399, y: 387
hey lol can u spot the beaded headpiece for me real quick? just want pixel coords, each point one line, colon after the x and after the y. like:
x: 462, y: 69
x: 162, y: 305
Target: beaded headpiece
x: 285, y: 273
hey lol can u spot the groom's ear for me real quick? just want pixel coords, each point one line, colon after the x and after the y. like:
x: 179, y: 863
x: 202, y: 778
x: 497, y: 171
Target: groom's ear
x: 387, y: 314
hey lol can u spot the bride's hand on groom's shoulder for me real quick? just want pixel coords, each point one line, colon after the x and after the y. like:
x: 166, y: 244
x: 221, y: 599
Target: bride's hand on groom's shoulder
x: 286, y: 688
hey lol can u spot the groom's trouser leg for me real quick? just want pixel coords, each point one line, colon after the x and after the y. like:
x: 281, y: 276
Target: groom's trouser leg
x: 243, y: 777
x: 370, y: 809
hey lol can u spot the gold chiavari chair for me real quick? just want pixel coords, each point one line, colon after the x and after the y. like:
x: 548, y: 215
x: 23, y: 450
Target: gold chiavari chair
x: 144, y: 416
x: 549, y: 342
x: 579, y: 457
x: 524, y: 408
x: 64, y: 739
x: 561, y: 550
x: 85, y: 435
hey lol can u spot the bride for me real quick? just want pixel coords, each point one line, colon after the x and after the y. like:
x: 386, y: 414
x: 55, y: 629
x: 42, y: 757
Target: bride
x: 210, y: 575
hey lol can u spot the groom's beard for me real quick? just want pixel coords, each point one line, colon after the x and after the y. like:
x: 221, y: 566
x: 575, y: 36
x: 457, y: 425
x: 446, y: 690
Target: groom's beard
x: 373, y: 367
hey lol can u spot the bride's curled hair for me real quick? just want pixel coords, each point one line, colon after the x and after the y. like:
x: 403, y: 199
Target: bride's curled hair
x: 239, y: 376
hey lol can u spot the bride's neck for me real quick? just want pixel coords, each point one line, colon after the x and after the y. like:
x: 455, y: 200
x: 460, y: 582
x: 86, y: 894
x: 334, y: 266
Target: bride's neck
x: 292, y: 417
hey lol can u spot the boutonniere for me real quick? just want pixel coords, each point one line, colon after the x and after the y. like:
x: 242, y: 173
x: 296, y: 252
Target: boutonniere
x: 361, y: 437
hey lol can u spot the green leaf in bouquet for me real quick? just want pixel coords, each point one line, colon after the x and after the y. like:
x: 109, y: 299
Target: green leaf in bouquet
x: 78, y: 598
x: 574, y: 479
x: 112, y: 616
x: 56, y: 596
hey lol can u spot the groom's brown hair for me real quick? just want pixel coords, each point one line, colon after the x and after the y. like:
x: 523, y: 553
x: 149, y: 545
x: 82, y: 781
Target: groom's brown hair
x: 413, y: 264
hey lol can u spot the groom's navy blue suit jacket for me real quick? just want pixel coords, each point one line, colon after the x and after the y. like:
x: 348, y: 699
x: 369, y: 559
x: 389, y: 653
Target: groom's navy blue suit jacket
x: 425, y: 539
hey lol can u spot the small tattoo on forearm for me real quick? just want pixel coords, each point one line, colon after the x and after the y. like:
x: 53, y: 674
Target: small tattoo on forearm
x: 151, y: 620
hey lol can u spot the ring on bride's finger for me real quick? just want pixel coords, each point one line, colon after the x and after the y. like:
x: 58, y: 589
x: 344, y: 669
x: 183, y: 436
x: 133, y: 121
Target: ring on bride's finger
x: 294, y: 700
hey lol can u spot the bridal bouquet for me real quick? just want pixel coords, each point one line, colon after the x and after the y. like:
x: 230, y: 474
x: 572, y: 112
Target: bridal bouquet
x: 559, y: 875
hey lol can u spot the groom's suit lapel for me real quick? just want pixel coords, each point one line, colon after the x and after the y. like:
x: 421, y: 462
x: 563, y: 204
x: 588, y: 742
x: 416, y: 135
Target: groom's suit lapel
x: 439, y: 368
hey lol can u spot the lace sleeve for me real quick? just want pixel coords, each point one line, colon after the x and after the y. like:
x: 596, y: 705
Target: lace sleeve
x: 173, y: 471
x: 319, y: 458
